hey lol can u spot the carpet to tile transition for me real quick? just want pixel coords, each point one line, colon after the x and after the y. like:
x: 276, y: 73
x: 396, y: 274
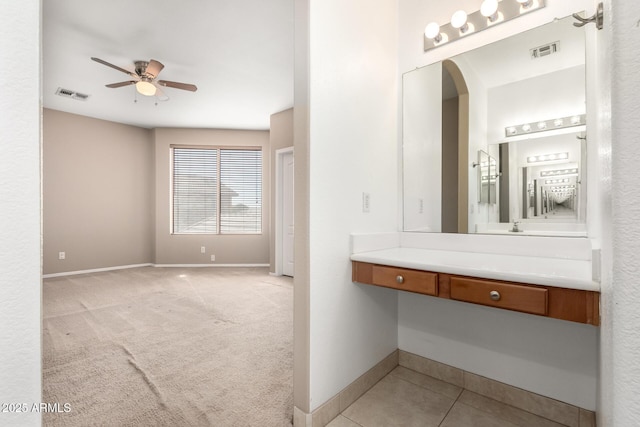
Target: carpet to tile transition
x: 169, y: 347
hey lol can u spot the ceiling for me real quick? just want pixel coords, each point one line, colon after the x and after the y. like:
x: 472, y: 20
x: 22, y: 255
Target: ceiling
x: 239, y: 53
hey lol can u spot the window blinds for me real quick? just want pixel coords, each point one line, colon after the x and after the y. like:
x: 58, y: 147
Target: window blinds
x: 240, y: 191
x: 211, y: 184
x: 195, y: 189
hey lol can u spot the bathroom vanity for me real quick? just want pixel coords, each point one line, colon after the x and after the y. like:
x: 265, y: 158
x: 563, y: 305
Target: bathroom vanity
x: 560, y: 303
x: 494, y: 157
x: 554, y: 281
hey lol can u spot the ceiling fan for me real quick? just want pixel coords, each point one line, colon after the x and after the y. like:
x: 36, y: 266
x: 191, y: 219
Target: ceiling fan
x: 145, y: 76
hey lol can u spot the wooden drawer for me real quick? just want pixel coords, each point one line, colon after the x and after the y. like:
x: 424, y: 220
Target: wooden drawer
x: 406, y: 280
x: 528, y: 299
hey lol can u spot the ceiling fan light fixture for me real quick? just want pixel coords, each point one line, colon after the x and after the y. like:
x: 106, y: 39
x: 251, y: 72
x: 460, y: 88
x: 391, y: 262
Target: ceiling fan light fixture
x: 145, y: 88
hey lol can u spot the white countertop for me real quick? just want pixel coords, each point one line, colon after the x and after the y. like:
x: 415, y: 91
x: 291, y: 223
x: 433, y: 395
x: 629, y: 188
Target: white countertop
x: 557, y: 272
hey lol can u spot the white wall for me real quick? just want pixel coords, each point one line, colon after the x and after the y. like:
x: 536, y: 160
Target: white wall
x: 20, y: 253
x: 352, y: 143
x: 621, y: 299
x: 551, y: 357
x: 422, y: 149
x: 547, y: 356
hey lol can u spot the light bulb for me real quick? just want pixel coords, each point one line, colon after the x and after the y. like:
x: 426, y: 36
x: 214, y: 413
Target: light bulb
x: 432, y: 32
x: 525, y: 3
x: 145, y: 88
x: 459, y: 21
x: 575, y: 120
x: 542, y: 125
x: 558, y: 122
x: 526, y: 127
x: 489, y: 9
x: 511, y: 130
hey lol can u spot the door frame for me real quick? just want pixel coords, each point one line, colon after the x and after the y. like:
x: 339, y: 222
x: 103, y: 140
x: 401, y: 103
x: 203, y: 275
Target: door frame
x: 279, y: 227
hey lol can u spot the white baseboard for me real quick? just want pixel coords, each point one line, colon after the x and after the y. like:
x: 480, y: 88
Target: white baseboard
x: 212, y: 265
x: 94, y: 270
x: 124, y: 267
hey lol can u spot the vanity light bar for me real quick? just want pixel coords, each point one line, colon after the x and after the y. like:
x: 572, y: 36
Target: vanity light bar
x: 559, y: 172
x: 546, y: 125
x: 491, y: 13
x: 567, y: 189
x: 556, y: 181
x: 547, y: 157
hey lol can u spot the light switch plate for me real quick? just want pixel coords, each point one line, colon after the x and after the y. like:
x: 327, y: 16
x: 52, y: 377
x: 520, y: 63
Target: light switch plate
x: 366, y: 202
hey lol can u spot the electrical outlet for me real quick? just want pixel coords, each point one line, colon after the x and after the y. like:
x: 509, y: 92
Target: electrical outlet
x: 203, y: 249
x: 62, y: 255
x: 213, y: 257
x: 366, y: 202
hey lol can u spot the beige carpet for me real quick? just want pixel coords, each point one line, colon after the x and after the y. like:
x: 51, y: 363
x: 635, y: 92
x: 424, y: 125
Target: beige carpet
x: 169, y: 347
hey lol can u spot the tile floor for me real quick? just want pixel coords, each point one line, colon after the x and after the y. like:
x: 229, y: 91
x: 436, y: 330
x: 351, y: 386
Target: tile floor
x: 407, y: 398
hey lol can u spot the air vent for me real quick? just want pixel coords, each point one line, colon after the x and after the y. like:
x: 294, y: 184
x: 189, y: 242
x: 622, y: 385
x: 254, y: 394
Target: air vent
x: 545, y: 50
x: 68, y: 93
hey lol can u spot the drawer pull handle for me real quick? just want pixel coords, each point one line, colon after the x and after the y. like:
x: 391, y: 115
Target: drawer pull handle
x: 399, y: 279
x: 494, y: 295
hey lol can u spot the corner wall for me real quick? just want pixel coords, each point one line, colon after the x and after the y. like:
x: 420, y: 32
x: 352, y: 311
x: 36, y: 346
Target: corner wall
x: 280, y: 136
x: 350, y: 137
x: 20, y: 215
x: 621, y: 299
x: 97, y: 193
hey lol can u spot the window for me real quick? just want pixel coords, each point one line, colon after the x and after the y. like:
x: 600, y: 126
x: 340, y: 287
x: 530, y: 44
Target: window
x: 217, y: 191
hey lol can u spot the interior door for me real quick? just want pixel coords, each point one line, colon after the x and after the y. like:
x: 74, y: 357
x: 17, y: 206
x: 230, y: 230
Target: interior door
x: 287, y: 214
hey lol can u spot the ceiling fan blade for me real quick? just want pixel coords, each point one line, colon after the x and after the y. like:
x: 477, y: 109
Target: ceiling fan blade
x: 115, y: 67
x: 154, y: 68
x: 183, y: 86
x: 160, y: 94
x: 121, y: 84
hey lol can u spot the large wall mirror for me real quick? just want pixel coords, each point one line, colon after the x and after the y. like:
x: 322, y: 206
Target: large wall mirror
x: 494, y: 139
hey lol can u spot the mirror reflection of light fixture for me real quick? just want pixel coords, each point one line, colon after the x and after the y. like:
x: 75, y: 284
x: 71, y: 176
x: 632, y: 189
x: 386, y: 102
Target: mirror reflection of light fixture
x: 560, y: 172
x: 556, y: 181
x: 546, y: 125
x: 562, y: 188
x: 145, y: 88
x: 548, y: 157
x: 491, y: 12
